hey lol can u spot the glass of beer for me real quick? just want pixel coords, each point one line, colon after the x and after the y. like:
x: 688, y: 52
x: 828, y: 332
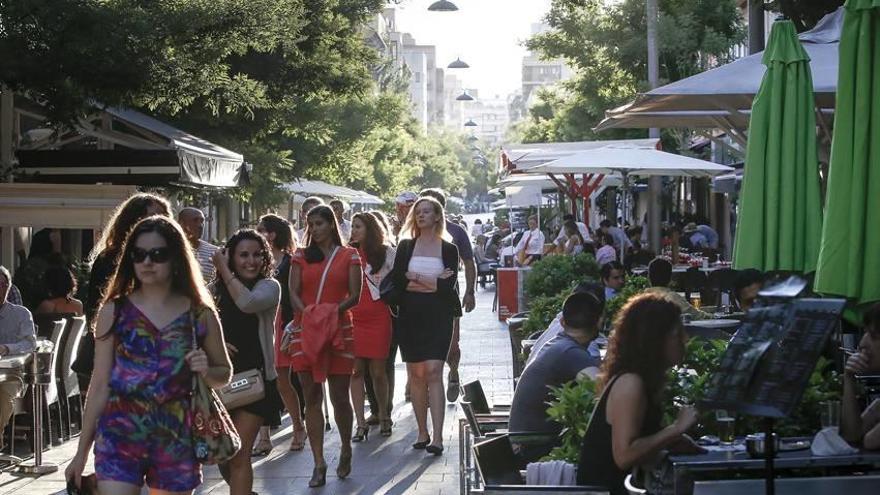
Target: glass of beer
x: 726, y: 427
x: 695, y: 300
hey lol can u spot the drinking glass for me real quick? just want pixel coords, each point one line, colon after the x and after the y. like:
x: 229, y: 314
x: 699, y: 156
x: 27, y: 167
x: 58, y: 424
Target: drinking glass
x: 695, y: 301
x: 830, y: 413
x: 726, y: 427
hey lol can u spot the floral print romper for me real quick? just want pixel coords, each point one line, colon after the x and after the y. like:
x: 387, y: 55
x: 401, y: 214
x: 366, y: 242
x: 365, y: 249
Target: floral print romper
x: 144, y: 431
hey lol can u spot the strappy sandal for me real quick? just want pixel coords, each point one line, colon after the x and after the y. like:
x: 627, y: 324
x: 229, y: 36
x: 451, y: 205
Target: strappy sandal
x: 361, y: 434
x: 298, y: 442
x: 385, y: 429
x: 262, y: 448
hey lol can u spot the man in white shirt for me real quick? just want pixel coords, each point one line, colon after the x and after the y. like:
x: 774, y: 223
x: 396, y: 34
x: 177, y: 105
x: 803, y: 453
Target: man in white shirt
x: 193, y: 222
x: 344, y: 225
x: 17, y: 336
x: 531, y: 245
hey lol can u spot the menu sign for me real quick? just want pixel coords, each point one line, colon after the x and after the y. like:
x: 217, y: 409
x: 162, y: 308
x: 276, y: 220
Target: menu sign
x: 768, y: 362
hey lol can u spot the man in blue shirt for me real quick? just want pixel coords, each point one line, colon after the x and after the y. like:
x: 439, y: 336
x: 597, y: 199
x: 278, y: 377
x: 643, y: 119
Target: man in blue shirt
x: 560, y: 361
x: 613, y: 277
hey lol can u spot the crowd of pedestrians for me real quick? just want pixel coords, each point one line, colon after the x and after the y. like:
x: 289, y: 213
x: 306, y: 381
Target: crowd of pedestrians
x: 298, y: 313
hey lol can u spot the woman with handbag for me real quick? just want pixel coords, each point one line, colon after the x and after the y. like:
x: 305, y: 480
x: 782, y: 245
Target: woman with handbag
x: 372, y: 323
x: 247, y: 298
x: 279, y: 232
x: 138, y: 405
x: 424, y: 279
x: 325, y: 283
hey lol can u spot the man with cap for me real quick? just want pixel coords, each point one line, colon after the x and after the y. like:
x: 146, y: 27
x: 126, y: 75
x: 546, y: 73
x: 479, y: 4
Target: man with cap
x: 466, y: 254
x: 402, y: 204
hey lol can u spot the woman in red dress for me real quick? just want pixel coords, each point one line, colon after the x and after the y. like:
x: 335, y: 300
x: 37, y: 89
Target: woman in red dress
x: 372, y: 323
x: 322, y: 346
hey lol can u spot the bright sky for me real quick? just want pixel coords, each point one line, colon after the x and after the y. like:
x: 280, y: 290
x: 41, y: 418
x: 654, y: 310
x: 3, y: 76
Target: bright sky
x: 487, y: 34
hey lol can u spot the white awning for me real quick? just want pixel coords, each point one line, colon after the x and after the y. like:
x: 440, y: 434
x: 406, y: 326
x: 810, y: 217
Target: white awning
x: 306, y: 187
x: 628, y: 161
x: 523, y: 156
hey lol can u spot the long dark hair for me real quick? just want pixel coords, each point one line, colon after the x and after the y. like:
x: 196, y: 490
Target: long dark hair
x: 313, y: 253
x: 231, y: 245
x: 124, y: 219
x: 386, y: 225
x: 186, y: 276
x: 637, y: 343
x: 41, y: 244
x: 283, y: 231
x: 373, y: 243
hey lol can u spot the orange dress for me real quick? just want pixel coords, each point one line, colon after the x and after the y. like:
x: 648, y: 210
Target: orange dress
x: 341, y: 362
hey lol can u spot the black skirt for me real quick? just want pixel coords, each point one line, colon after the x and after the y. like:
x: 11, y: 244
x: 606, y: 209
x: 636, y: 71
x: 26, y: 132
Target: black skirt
x: 424, y: 327
x: 268, y: 407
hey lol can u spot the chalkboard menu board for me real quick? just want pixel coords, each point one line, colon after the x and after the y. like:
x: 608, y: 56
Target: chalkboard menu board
x: 768, y: 362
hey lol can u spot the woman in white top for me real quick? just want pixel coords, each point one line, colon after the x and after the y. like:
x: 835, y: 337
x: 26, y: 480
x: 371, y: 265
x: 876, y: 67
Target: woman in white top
x: 425, y: 277
x: 372, y: 323
x: 531, y: 245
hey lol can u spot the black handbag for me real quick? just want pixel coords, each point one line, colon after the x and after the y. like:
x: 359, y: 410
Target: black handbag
x: 388, y: 290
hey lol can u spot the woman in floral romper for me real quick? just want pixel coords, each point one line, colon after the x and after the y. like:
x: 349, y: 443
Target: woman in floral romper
x: 138, y: 404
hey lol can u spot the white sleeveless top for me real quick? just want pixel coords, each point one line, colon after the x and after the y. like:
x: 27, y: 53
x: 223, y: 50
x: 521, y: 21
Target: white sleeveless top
x: 428, y: 266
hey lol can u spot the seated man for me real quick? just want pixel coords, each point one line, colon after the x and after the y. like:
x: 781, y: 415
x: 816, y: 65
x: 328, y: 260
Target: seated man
x: 859, y: 422
x: 562, y: 238
x: 613, y: 276
x: 745, y: 290
x: 555, y: 326
x: 17, y: 336
x: 559, y: 362
x: 660, y: 276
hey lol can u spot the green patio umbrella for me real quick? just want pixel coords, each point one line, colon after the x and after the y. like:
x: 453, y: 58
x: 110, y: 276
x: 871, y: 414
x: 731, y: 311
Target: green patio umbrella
x: 849, y: 259
x: 780, y: 204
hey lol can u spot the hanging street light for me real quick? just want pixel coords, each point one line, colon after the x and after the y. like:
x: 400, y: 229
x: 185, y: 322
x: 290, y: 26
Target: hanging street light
x: 458, y: 64
x: 442, y: 6
x: 470, y: 123
x: 464, y: 97
x: 473, y: 138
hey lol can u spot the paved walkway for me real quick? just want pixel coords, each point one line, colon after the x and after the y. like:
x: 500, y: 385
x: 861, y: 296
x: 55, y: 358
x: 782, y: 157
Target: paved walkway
x: 381, y: 465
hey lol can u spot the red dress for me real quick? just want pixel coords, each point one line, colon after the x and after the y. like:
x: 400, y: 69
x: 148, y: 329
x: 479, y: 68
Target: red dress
x: 335, y: 291
x: 372, y: 322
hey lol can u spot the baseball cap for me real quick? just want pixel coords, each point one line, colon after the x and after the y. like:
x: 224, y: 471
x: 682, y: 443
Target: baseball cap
x: 406, y: 198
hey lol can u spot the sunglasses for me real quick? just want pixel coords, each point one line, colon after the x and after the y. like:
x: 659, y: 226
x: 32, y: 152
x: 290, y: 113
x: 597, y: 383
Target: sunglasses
x: 157, y: 255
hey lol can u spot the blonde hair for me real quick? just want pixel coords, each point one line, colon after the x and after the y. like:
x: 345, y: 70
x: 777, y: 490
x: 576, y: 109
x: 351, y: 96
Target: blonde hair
x: 411, y: 231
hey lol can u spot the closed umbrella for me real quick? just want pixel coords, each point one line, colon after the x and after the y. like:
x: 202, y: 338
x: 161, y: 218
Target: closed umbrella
x: 780, y: 218
x: 849, y: 259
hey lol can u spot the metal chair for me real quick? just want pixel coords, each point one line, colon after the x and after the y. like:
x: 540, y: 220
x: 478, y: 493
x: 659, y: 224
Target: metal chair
x: 693, y: 280
x: 722, y: 281
x: 52, y: 397
x: 497, y: 468
x: 473, y: 393
x: 67, y: 380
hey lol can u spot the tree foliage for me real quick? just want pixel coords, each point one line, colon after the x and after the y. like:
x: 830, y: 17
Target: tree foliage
x: 804, y: 13
x: 605, y: 43
x: 291, y: 84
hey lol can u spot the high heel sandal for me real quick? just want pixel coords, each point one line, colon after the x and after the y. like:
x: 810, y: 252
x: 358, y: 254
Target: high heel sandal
x: 421, y: 445
x: 361, y: 434
x: 344, y: 467
x: 434, y: 449
x: 319, y: 476
x: 298, y: 442
x: 385, y: 430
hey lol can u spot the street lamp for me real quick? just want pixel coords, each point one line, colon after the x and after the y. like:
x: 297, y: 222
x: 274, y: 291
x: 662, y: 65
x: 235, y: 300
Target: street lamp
x: 464, y: 97
x: 473, y: 138
x: 442, y: 6
x: 470, y: 123
x: 458, y: 64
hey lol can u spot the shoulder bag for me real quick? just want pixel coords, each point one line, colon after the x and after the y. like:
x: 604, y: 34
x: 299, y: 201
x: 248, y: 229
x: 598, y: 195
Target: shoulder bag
x: 291, y: 329
x: 244, y: 388
x: 388, y: 289
x: 214, y: 437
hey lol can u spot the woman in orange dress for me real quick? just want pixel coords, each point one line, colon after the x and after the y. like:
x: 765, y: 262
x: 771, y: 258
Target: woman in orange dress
x: 323, y: 345
x: 372, y: 323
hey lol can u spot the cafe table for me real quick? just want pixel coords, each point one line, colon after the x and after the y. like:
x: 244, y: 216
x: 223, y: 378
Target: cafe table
x: 686, y: 469
x: 12, y: 367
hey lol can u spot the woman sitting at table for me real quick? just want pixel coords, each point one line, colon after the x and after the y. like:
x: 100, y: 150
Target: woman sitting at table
x: 859, y: 424
x: 625, y: 429
x: 60, y: 288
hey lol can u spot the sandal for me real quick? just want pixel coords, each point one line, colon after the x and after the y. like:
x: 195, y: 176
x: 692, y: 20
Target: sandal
x: 385, y: 430
x: 298, y: 442
x: 361, y: 434
x: 262, y: 448
x: 319, y: 476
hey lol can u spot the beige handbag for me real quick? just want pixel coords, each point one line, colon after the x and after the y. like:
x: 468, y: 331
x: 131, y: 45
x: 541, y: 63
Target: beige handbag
x: 244, y: 388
